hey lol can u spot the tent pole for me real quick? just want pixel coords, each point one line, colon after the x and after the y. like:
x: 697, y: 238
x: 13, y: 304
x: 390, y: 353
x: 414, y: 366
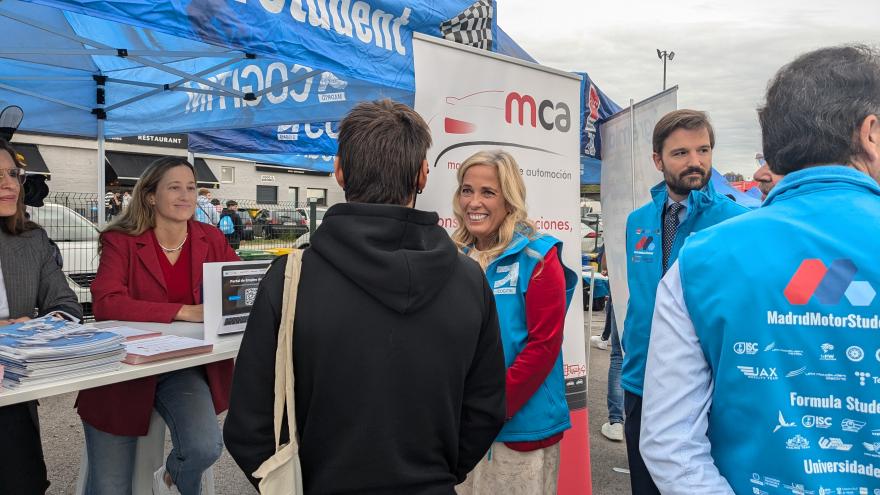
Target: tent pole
x: 101, y: 176
x: 632, y: 150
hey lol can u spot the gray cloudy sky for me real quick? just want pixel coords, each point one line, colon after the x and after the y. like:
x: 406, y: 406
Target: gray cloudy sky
x: 725, y: 52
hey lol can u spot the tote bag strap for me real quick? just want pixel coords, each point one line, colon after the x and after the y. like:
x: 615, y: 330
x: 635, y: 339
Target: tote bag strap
x: 284, y: 351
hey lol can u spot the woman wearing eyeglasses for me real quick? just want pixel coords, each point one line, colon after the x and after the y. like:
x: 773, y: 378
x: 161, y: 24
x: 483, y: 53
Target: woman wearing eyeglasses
x: 30, y: 278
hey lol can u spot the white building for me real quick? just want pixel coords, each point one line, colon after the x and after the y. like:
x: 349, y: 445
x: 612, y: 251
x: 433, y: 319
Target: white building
x: 71, y: 164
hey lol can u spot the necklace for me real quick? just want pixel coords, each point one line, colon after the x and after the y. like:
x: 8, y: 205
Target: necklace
x: 172, y: 250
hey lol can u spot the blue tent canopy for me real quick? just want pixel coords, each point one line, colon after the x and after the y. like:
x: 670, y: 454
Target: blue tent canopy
x: 596, y: 107
x: 73, y: 73
x: 755, y: 193
x: 313, y: 162
x: 366, y: 40
x: 314, y: 138
x: 96, y: 68
x: 723, y: 187
x: 506, y: 46
x: 308, y: 138
x: 591, y: 170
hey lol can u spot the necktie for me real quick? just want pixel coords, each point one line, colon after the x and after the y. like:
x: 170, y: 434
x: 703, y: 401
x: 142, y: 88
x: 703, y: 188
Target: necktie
x: 670, y: 227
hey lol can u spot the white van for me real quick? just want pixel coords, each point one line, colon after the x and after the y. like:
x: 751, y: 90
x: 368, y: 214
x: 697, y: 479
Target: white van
x: 77, y: 240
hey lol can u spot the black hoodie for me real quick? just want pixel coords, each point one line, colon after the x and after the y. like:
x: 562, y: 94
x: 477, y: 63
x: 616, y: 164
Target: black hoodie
x: 398, y: 363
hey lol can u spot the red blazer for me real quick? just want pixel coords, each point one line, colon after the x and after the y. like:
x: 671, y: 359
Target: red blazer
x: 129, y: 286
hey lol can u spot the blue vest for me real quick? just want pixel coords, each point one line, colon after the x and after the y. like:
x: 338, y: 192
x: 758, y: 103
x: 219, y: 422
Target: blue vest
x: 783, y: 303
x: 644, y: 266
x: 546, y: 413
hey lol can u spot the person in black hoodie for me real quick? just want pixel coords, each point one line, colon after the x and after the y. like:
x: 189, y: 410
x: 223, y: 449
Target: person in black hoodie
x: 398, y: 361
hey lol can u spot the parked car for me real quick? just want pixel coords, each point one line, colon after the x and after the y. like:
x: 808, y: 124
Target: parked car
x: 77, y: 240
x: 247, y: 225
x: 274, y: 224
x: 591, y: 240
x: 319, y: 215
x: 303, y: 241
x: 594, y: 221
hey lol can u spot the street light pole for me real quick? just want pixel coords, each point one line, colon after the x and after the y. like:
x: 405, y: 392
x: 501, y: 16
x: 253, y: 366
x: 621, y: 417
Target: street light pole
x: 664, y: 55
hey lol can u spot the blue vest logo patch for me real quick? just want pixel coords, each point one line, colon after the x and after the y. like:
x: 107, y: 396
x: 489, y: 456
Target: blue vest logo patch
x: 507, y: 284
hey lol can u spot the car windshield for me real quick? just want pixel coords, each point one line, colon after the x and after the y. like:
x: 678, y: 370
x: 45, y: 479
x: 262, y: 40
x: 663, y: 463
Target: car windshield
x: 63, y: 224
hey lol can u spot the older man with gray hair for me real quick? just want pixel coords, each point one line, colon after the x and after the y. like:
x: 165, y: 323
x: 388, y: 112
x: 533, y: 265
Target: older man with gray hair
x: 761, y: 376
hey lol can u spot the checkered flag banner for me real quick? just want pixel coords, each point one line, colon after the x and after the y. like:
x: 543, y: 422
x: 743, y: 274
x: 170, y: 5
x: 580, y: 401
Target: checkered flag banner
x: 472, y: 27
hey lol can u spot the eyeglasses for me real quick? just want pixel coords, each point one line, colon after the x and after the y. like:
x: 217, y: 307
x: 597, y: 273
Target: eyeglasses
x: 14, y: 173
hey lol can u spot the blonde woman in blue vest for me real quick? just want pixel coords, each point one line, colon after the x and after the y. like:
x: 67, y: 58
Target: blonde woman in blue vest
x: 532, y: 290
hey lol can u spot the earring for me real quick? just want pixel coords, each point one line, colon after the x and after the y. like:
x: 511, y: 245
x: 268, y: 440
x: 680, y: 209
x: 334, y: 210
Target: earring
x: 418, y: 191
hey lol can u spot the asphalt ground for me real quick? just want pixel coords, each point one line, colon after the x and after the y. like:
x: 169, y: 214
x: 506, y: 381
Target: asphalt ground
x: 63, y: 438
x: 606, y: 457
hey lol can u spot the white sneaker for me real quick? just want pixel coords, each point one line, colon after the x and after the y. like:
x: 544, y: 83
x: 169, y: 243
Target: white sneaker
x: 597, y: 342
x: 613, y: 431
x: 159, y: 486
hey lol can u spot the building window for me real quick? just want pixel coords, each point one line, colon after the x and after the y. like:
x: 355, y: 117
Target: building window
x: 227, y: 175
x: 267, y: 194
x: 319, y: 194
x: 293, y: 195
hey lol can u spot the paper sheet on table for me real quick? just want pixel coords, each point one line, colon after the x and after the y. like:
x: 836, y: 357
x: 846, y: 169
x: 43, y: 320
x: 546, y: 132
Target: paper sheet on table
x: 131, y: 333
x: 160, y: 345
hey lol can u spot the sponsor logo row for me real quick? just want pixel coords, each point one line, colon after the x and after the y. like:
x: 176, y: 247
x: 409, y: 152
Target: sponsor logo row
x: 825, y: 352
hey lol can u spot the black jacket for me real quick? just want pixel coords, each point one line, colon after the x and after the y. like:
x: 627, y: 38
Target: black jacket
x: 236, y: 222
x: 398, y: 362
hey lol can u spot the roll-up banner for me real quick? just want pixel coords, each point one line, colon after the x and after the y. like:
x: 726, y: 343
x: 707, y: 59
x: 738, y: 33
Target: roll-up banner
x: 628, y: 174
x: 474, y: 100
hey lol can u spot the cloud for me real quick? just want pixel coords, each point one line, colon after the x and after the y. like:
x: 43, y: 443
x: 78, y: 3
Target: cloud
x: 724, y: 55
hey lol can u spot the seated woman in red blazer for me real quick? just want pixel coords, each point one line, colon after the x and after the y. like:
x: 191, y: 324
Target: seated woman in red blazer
x: 151, y: 270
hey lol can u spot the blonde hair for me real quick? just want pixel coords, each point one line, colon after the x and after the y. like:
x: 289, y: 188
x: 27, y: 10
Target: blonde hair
x: 513, y: 190
x: 140, y: 215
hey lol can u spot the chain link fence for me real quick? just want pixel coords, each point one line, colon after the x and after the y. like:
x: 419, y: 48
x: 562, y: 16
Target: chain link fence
x: 70, y: 219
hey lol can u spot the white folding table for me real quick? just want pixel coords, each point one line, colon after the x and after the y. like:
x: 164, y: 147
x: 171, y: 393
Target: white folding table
x: 150, y: 450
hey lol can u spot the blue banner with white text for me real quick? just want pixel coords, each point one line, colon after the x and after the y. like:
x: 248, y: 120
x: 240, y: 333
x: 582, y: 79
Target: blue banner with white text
x: 596, y: 107
x: 367, y: 40
x: 302, y: 139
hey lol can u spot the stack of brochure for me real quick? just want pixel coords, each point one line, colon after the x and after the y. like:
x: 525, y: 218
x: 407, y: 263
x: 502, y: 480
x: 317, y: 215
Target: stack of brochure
x: 51, y: 348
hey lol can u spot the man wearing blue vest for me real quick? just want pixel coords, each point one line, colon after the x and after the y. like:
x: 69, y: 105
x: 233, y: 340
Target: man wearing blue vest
x: 764, y: 378
x: 683, y: 203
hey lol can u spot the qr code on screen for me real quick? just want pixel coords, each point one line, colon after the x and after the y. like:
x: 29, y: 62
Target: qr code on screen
x: 249, y: 295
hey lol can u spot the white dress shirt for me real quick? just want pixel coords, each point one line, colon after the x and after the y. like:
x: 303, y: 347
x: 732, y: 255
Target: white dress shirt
x: 676, y: 401
x: 682, y: 213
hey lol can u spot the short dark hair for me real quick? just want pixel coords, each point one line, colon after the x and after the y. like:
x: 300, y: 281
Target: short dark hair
x: 231, y: 203
x: 681, y: 119
x: 816, y: 104
x: 382, y: 145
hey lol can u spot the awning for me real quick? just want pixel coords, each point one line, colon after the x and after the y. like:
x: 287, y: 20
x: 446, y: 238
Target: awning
x: 204, y: 176
x: 32, y: 159
x: 128, y: 167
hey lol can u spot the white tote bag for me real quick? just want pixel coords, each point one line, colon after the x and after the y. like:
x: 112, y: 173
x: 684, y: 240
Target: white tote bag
x: 281, y: 474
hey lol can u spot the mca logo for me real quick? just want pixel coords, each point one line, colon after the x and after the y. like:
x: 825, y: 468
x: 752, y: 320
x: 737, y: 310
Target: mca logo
x: 646, y: 243
x: 828, y: 284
